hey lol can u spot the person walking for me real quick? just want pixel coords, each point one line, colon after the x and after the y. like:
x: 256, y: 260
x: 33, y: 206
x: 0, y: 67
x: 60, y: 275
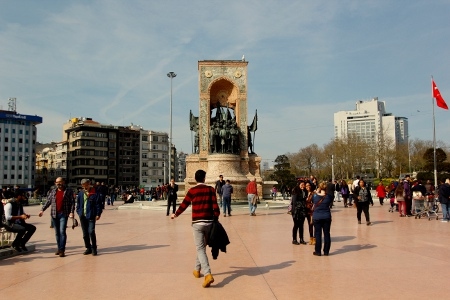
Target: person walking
x: 172, y: 190
x: 322, y: 219
x: 89, y: 209
x: 219, y: 184
x: 345, y: 192
x: 204, y: 212
x: 227, y: 190
x: 252, y: 194
x: 381, y: 192
x: 363, y: 199
x: 61, y: 200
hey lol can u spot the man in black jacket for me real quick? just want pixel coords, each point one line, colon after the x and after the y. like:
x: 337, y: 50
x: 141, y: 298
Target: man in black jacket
x: 172, y: 190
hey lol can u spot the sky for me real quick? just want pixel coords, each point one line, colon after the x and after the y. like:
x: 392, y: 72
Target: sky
x: 108, y: 60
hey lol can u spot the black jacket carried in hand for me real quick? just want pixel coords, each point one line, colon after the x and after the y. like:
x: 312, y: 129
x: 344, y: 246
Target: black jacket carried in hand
x: 218, y: 239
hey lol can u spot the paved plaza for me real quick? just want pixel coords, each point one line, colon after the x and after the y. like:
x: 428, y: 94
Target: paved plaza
x: 145, y: 255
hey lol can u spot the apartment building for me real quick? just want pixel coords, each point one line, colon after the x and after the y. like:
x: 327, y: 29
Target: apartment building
x: 17, y: 147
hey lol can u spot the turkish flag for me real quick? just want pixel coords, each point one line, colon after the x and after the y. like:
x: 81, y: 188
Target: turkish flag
x: 436, y: 94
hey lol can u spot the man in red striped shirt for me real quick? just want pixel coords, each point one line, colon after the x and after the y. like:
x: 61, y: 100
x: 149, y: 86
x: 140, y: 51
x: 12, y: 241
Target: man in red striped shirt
x: 204, y: 211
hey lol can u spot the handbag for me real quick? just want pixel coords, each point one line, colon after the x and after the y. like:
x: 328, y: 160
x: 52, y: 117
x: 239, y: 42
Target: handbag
x: 314, y: 206
x: 289, y: 209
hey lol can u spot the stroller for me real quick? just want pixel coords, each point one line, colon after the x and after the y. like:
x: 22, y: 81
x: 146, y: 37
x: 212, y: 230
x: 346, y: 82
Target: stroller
x: 394, y: 206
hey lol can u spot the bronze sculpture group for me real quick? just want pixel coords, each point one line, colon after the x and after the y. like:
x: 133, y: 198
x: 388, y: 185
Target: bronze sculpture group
x: 224, y: 133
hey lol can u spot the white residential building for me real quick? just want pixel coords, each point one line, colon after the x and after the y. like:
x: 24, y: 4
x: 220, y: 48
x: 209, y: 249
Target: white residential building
x: 17, y: 147
x: 372, y: 123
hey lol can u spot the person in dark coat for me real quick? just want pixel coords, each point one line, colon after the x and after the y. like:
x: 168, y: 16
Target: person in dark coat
x: 363, y: 199
x: 298, y: 202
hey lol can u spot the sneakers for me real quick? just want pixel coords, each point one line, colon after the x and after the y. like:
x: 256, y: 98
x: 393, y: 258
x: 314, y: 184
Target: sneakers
x: 208, y: 280
x: 196, y: 273
x: 444, y: 220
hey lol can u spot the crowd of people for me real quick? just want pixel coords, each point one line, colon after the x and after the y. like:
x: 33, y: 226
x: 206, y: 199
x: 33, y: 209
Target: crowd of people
x: 313, y: 201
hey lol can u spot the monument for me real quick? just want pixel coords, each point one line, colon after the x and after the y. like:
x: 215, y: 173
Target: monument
x: 222, y: 136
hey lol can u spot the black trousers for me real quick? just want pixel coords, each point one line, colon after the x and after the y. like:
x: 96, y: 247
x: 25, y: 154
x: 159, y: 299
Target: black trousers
x: 363, y: 207
x: 24, y: 232
x: 171, y: 201
x: 299, y: 221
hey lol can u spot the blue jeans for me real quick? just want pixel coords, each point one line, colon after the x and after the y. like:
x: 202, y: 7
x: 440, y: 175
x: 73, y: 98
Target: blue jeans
x: 445, y: 211
x: 251, y: 207
x: 89, y: 237
x: 226, y: 203
x: 325, y: 226
x: 201, y: 235
x: 60, y: 224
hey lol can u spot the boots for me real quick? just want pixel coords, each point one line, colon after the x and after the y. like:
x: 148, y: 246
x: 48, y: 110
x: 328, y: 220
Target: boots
x: 196, y: 273
x: 311, y: 240
x: 208, y: 280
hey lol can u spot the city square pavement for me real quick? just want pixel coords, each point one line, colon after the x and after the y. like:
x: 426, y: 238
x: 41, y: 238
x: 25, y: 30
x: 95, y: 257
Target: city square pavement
x: 145, y: 255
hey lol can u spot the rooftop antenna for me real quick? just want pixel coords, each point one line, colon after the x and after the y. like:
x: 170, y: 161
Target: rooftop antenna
x: 12, y: 104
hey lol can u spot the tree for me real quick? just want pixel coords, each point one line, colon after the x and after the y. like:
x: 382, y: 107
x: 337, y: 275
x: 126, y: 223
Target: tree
x: 441, y: 157
x: 282, y: 172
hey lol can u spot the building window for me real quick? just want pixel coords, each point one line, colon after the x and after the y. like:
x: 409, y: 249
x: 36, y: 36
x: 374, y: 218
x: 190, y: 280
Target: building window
x: 154, y: 138
x: 145, y: 138
x: 5, y: 176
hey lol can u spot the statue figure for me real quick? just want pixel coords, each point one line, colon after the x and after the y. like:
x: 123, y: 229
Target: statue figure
x: 223, y: 135
x: 196, y: 143
x: 234, y: 133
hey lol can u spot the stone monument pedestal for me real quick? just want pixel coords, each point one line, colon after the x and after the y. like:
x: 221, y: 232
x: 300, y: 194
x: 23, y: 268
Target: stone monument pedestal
x: 240, y: 171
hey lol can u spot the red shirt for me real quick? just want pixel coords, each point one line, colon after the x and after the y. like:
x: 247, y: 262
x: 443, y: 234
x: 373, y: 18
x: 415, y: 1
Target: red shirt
x: 381, y: 191
x: 59, y: 201
x: 251, y: 188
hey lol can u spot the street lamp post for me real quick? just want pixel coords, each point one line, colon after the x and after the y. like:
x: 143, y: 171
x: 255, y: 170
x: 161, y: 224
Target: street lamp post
x: 171, y: 75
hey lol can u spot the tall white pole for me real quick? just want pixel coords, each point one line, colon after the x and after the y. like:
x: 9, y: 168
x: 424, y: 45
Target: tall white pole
x: 434, y: 136
x: 171, y: 75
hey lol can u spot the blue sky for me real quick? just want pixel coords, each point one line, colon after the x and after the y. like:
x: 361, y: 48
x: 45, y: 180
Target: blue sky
x: 108, y: 60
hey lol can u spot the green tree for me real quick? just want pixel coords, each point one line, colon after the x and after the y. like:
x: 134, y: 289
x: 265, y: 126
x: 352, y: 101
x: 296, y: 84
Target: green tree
x: 282, y: 172
x: 441, y: 157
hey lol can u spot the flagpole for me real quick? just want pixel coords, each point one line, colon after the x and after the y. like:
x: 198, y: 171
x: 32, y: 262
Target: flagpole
x: 434, y: 137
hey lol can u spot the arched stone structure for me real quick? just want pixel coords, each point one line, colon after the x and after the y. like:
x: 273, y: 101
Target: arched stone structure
x: 223, y: 83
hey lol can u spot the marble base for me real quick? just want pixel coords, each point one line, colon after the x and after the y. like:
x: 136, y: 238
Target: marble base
x: 239, y: 170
